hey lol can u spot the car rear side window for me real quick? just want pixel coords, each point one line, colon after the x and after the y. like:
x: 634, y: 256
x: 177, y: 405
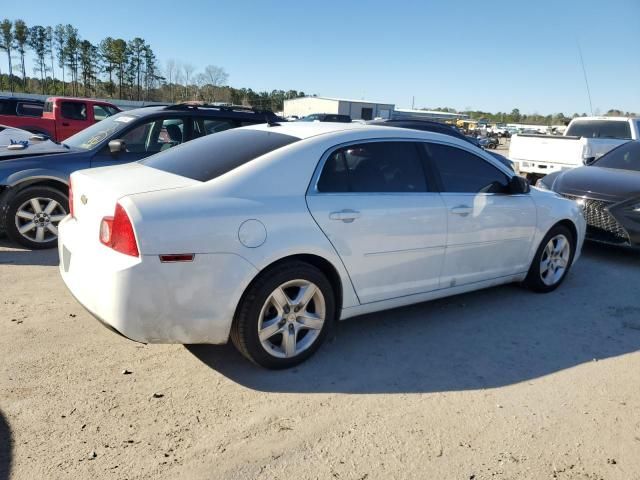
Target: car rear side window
x: 599, y: 129
x: 463, y: 172
x: 26, y: 109
x: 376, y: 167
x: 5, y: 107
x: 209, y: 157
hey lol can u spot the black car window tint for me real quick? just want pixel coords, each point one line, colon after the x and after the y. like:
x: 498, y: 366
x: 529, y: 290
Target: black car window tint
x: 206, y: 158
x: 74, y: 110
x: 463, y: 172
x: 377, y: 167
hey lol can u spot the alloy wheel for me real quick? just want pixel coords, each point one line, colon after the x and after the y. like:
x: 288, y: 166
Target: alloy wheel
x: 555, y: 260
x: 37, y: 219
x: 291, y: 318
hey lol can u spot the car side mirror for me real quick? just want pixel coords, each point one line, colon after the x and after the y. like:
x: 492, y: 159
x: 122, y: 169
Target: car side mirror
x: 589, y: 160
x: 117, y: 146
x: 518, y: 185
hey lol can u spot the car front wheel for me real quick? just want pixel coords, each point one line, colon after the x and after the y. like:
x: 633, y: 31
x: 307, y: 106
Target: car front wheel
x: 284, y: 316
x: 552, y: 260
x: 33, y: 216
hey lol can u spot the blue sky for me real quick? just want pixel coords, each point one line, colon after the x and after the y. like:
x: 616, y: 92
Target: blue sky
x: 493, y: 55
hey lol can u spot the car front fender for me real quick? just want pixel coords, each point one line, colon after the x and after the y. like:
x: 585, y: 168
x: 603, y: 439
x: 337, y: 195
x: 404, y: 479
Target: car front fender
x: 34, y: 174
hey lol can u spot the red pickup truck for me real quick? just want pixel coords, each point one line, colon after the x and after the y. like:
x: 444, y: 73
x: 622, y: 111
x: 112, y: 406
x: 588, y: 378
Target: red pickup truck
x: 61, y: 117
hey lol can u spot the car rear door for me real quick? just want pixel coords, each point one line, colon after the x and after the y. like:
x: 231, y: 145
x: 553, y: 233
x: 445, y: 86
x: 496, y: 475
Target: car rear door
x: 375, y: 204
x: 489, y: 230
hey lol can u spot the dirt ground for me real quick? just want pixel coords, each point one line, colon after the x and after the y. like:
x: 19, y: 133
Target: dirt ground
x: 497, y: 384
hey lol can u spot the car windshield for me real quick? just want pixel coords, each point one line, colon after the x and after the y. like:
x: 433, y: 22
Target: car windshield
x: 625, y: 157
x: 90, y: 137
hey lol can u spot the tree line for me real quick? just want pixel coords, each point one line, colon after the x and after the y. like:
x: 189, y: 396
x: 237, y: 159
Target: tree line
x: 515, y: 116
x: 67, y: 64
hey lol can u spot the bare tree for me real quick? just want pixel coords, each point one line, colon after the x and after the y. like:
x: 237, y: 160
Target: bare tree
x: 188, y: 69
x: 215, y: 77
x: 170, y: 72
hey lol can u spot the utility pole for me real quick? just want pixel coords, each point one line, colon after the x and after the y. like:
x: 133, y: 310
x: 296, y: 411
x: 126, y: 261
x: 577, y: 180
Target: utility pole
x: 413, y: 102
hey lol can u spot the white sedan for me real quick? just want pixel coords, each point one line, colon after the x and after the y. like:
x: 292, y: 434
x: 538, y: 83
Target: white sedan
x: 270, y: 234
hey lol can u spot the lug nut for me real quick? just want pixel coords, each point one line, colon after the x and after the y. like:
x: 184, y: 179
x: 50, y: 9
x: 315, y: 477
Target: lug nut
x: 286, y: 309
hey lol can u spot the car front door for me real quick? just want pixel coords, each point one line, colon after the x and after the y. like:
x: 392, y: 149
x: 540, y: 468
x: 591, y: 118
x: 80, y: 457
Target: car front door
x: 143, y: 140
x: 489, y: 230
x: 73, y: 118
x: 375, y: 204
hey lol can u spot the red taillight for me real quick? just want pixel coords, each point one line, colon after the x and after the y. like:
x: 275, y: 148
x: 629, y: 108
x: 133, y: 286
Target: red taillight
x: 117, y: 232
x: 70, y: 197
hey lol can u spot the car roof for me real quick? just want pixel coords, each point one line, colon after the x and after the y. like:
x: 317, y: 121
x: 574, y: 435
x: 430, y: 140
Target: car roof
x: 611, y: 119
x: 304, y: 130
x: 21, y: 99
x: 204, y: 111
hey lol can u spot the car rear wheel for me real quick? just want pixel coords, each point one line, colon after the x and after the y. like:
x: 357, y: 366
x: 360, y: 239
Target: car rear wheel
x: 552, y: 260
x: 284, y: 316
x: 33, y: 216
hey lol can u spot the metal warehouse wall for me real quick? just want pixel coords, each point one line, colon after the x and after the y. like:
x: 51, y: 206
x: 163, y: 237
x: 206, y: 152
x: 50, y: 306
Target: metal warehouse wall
x: 307, y: 105
x: 354, y: 109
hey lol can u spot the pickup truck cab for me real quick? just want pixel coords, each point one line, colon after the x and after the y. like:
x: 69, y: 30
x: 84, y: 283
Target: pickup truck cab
x: 585, y: 140
x: 58, y: 118
x: 20, y: 112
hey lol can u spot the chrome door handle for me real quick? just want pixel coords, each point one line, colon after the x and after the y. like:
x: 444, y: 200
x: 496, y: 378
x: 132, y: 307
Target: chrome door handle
x: 462, y: 210
x: 347, y: 216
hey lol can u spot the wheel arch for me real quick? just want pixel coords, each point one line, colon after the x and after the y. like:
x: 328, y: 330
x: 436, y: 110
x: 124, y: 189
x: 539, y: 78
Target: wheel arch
x: 321, y: 263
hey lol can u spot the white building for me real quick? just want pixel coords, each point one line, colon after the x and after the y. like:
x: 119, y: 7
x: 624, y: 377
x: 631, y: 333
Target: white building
x: 356, y: 109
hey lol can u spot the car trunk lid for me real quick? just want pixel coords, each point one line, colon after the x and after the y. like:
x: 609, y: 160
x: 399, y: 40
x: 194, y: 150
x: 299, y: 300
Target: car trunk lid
x: 96, y: 191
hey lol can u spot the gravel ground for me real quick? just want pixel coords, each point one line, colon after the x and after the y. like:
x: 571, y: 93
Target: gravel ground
x: 501, y: 383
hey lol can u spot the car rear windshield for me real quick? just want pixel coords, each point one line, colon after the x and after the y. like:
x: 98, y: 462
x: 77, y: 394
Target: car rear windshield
x: 599, y: 129
x: 209, y: 157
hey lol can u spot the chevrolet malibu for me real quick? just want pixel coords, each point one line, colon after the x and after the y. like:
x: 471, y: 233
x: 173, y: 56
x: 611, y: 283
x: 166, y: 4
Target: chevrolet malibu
x: 270, y: 234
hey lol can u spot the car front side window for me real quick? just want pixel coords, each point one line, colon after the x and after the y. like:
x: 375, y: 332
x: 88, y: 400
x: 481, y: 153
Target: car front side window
x: 461, y: 171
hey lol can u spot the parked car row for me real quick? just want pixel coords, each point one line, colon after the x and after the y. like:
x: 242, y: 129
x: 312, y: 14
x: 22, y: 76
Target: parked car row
x: 34, y: 178
x: 311, y: 222
x: 585, y: 139
x: 608, y: 191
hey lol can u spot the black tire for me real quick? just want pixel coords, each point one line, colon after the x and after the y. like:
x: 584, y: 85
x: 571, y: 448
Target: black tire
x: 534, y: 279
x: 244, y: 330
x: 18, y: 199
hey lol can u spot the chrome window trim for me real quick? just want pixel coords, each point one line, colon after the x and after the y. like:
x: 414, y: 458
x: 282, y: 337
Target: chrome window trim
x: 313, y: 184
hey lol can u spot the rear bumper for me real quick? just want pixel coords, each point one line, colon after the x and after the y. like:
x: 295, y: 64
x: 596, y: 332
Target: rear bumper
x: 149, y: 301
x: 540, y: 168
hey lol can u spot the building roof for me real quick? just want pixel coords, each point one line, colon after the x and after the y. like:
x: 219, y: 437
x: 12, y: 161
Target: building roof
x: 430, y: 112
x: 338, y: 99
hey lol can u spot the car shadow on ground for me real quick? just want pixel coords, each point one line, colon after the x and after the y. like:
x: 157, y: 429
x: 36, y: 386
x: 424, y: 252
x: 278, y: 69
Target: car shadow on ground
x: 484, y: 339
x: 12, y: 254
x: 6, y: 444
